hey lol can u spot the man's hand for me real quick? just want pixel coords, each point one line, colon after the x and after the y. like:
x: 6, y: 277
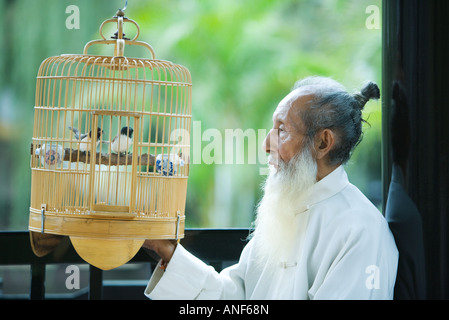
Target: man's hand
x: 163, y: 248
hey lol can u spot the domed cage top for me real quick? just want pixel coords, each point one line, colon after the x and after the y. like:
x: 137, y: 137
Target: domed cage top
x: 110, y: 150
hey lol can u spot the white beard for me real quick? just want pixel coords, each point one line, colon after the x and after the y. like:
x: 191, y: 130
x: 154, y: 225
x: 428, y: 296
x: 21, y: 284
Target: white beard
x: 276, y: 227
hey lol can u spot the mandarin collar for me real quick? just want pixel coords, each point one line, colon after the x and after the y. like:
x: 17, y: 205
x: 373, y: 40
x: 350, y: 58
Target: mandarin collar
x: 327, y: 187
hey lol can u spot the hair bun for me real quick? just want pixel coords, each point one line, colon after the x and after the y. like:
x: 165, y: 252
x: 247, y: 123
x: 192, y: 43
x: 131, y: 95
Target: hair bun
x: 371, y: 91
x: 368, y: 92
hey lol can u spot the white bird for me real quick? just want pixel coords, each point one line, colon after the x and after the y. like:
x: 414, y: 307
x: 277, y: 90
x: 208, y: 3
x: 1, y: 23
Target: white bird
x: 122, y: 142
x: 86, y: 138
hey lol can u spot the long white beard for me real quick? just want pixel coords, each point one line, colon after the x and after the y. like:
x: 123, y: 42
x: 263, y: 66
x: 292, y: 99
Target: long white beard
x: 276, y: 227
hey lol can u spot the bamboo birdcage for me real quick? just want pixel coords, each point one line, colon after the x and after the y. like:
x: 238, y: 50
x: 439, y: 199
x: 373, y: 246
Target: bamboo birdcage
x: 108, y: 201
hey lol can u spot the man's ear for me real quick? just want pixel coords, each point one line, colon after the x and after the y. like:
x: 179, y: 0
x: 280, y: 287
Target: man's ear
x: 324, y: 142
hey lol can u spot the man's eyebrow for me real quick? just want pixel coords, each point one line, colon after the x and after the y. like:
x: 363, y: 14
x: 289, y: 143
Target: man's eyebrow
x: 276, y: 118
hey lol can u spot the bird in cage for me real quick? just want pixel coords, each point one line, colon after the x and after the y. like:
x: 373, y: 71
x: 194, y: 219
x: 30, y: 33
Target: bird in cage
x: 86, y: 138
x: 122, y: 142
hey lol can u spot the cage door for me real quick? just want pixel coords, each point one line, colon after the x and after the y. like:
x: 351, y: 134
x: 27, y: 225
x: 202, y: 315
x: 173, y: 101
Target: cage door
x: 114, y: 163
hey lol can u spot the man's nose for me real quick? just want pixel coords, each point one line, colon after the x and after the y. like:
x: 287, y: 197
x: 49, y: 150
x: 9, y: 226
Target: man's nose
x: 266, y: 143
x: 270, y: 142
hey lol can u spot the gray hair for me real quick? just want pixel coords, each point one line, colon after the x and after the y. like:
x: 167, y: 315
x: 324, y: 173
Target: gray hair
x: 334, y: 108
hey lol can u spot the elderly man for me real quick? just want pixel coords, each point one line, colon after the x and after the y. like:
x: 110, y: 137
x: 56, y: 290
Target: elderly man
x: 316, y: 235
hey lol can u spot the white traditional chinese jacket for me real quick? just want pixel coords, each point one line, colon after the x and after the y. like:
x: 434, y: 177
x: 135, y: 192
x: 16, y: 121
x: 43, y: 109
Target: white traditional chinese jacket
x: 345, y: 251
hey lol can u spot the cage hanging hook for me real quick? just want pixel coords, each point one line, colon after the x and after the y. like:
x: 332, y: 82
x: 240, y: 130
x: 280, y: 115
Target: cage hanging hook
x: 119, y: 34
x: 120, y: 12
x: 124, y: 8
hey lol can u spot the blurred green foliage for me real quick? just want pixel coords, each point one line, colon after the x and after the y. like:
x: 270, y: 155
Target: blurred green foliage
x: 244, y: 56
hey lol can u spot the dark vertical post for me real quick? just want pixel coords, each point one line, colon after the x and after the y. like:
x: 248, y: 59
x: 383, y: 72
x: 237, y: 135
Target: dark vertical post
x: 37, y: 290
x: 95, y: 283
x: 415, y: 92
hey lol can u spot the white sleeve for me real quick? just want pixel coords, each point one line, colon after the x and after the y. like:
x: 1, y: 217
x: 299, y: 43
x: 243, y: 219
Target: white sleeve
x: 187, y: 277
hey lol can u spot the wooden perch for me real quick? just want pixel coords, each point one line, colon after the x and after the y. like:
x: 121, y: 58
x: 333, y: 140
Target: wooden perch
x: 113, y: 159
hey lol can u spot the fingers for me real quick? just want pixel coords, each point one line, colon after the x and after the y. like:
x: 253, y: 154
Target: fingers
x: 163, y: 248
x: 149, y: 244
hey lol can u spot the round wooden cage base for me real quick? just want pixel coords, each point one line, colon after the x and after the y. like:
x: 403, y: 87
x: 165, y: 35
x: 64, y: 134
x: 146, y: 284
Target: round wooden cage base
x: 106, y: 254
x: 101, y: 242
x: 93, y: 226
